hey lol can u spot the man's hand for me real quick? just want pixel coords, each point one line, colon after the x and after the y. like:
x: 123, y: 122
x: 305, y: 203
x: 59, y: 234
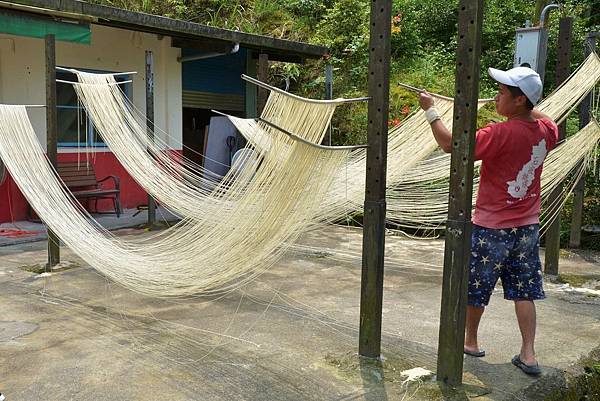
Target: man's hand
x: 425, y: 100
x: 442, y: 135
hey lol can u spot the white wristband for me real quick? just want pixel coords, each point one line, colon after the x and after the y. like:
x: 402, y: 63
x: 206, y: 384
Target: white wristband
x: 431, y: 114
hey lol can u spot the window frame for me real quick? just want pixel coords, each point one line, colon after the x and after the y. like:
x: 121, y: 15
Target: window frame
x: 89, y: 141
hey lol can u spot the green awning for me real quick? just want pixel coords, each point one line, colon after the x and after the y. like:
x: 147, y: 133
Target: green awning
x: 23, y: 25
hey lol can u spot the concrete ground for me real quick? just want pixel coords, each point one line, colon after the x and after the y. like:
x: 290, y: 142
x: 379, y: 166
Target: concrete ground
x: 290, y: 335
x: 22, y: 232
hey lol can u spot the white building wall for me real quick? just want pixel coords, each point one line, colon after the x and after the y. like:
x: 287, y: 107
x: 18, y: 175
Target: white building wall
x: 22, y: 73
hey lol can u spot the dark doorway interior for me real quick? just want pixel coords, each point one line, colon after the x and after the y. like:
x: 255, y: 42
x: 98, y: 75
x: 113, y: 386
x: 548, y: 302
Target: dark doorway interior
x: 195, y: 122
x: 195, y: 130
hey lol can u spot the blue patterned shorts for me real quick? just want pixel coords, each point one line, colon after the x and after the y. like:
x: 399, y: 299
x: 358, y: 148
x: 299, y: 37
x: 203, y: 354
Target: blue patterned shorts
x: 509, y: 254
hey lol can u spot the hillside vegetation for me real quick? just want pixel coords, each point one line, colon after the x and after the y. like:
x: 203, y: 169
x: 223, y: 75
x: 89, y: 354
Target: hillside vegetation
x: 423, y: 51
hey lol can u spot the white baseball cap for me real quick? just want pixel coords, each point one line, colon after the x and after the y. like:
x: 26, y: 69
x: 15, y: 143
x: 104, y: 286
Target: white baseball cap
x: 524, y: 78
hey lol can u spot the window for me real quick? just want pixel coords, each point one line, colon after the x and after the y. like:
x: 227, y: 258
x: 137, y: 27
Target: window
x: 75, y: 129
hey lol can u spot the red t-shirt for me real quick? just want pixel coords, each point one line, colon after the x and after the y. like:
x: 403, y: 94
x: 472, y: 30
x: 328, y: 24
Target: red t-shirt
x: 512, y: 155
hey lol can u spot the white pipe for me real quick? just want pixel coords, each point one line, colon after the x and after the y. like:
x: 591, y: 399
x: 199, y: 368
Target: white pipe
x: 234, y: 49
x: 72, y: 70
x: 79, y: 83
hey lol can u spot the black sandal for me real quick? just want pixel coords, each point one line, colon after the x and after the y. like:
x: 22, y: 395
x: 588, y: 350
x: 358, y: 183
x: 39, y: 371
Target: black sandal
x: 532, y: 370
x: 476, y: 354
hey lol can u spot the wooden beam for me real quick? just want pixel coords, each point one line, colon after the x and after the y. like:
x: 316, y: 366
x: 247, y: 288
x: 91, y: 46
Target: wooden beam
x: 563, y: 69
x: 263, y: 75
x: 371, y: 297
x: 275, y: 56
x: 150, y: 126
x: 51, y: 136
x: 251, y: 93
x: 458, y: 226
x: 206, y: 45
x: 579, y: 191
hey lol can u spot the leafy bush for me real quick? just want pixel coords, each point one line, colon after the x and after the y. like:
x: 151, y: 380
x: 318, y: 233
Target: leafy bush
x: 423, y: 47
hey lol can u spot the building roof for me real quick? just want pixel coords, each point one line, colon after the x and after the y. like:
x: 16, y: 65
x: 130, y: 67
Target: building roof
x: 183, y: 31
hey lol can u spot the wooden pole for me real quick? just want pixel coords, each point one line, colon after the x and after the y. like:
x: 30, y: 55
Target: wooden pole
x: 375, y: 206
x: 51, y: 136
x: 150, y: 126
x: 263, y: 75
x: 2, y: 172
x: 458, y: 226
x: 251, y: 90
x: 329, y: 90
x: 579, y: 191
x: 563, y: 69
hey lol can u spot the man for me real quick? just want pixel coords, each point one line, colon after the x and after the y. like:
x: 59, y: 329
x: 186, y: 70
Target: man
x: 505, y: 239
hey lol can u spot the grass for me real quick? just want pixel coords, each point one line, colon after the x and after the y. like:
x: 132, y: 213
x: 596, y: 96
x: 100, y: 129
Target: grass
x: 320, y: 255
x: 577, y: 280
x: 40, y: 268
x: 352, y: 366
x: 584, y: 384
x: 378, y: 373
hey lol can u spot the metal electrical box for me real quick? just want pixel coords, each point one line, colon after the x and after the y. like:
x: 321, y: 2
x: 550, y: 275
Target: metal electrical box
x: 531, y: 48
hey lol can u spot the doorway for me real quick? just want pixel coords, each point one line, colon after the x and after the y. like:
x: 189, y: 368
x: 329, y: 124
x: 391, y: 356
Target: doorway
x: 196, y: 122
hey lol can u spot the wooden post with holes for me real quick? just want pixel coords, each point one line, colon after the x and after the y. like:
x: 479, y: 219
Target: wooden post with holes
x: 563, y: 69
x: 458, y: 226
x: 579, y: 190
x: 51, y: 136
x: 263, y: 75
x: 150, y: 126
x: 374, y: 210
